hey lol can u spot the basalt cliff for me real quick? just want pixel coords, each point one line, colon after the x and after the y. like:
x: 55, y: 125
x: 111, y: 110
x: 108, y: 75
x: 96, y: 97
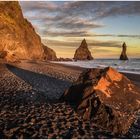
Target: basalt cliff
x: 18, y: 39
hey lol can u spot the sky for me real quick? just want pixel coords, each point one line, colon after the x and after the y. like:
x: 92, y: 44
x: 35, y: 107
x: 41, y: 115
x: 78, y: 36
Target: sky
x: 105, y: 25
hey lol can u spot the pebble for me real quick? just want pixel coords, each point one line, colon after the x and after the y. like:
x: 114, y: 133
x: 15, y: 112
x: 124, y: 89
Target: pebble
x: 26, y: 114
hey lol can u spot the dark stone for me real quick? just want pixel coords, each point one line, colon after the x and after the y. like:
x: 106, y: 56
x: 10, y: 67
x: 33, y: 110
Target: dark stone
x: 123, y: 55
x: 81, y: 132
x: 68, y: 134
x: 51, y: 130
x: 105, y: 97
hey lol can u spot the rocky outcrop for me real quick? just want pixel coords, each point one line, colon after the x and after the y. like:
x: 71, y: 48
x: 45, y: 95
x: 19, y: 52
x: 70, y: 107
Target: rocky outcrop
x: 83, y: 53
x: 64, y: 59
x: 123, y: 55
x: 105, y: 97
x: 17, y: 35
x: 49, y: 54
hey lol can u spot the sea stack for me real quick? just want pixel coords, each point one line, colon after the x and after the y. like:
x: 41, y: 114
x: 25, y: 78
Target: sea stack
x: 123, y: 54
x: 49, y: 54
x: 18, y: 39
x: 106, y: 98
x: 83, y: 53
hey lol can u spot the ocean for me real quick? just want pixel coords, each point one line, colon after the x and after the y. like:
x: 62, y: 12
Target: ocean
x: 129, y: 66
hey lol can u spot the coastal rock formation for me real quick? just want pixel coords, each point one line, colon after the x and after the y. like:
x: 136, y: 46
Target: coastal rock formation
x: 64, y: 59
x: 17, y: 35
x: 105, y: 97
x: 83, y: 53
x: 49, y: 54
x: 123, y: 55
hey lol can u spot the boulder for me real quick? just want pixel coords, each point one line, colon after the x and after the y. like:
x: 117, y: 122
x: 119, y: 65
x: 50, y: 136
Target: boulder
x: 83, y: 53
x: 17, y: 35
x: 105, y: 97
x: 123, y: 55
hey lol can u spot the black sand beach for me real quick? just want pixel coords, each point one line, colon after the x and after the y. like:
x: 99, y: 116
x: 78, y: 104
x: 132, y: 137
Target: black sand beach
x: 33, y: 89
x: 29, y: 105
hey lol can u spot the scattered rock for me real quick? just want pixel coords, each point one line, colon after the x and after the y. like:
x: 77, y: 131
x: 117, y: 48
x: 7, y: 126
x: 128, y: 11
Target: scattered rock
x: 25, y: 117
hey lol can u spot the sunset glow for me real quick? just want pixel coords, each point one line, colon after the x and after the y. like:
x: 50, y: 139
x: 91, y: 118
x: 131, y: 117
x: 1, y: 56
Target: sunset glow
x: 105, y: 25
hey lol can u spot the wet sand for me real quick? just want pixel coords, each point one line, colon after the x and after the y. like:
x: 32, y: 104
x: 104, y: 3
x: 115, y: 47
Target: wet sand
x: 29, y: 105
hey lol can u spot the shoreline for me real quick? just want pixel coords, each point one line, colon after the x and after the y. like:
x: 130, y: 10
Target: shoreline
x: 132, y: 76
x: 27, y: 113
x: 117, y: 64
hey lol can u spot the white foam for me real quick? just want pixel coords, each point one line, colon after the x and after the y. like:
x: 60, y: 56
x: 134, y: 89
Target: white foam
x: 131, y: 66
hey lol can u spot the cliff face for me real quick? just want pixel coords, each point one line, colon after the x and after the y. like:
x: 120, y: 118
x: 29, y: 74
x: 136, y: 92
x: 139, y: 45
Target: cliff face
x: 105, y: 97
x: 17, y: 35
x: 83, y: 53
x: 123, y: 55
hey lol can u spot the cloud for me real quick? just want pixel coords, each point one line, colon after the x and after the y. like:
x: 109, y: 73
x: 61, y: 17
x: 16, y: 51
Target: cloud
x: 60, y: 43
x: 115, y: 35
x: 90, y: 9
x: 100, y: 50
x: 76, y: 43
x: 122, y: 8
x: 38, y: 6
x: 83, y: 33
x: 130, y: 36
x: 65, y: 33
x: 58, y: 15
x: 78, y: 20
x: 100, y: 9
x: 76, y: 15
x: 77, y: 23
x: 105, y: 44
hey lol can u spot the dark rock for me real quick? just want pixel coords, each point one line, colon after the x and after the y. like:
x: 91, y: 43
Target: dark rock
x: 81, y: 132
x: 51, y: 130
x: 64, y: 59
x: 105, y: 97
x: 69, y: 133
x: 2, y: 135
x: 83, y: 53
x: 123, y: 55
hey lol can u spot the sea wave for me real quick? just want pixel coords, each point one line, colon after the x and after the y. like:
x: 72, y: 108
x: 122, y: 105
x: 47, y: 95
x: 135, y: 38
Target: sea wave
x: 130, y: 66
